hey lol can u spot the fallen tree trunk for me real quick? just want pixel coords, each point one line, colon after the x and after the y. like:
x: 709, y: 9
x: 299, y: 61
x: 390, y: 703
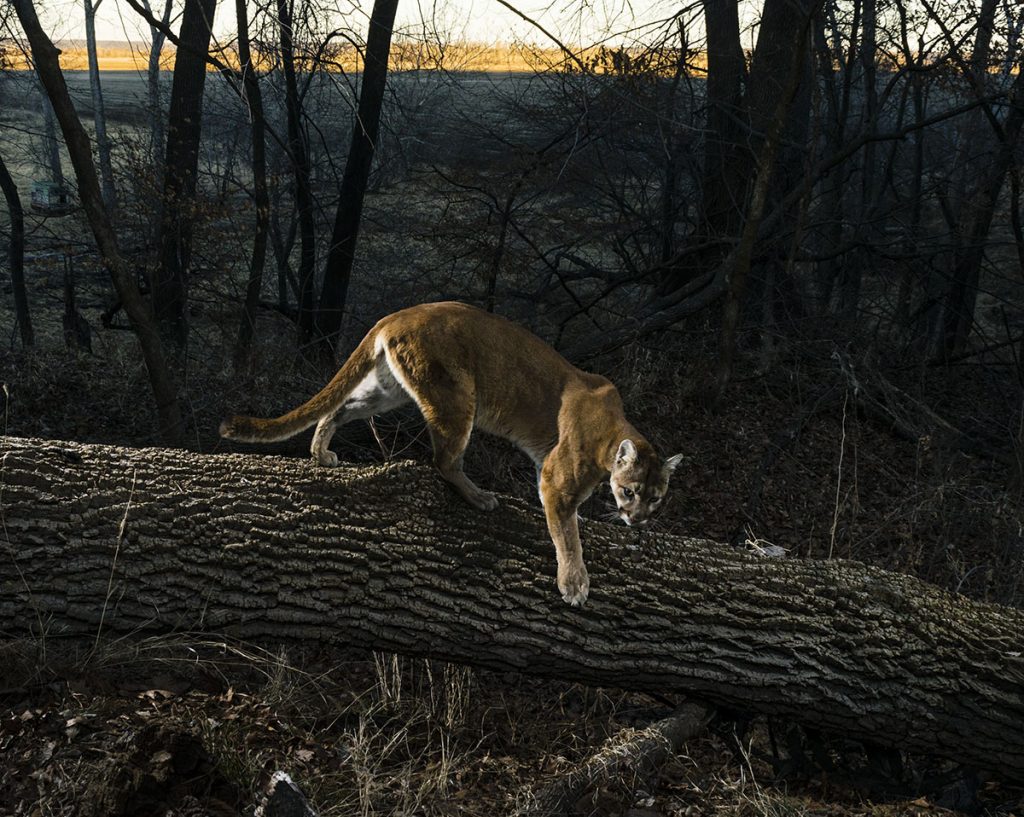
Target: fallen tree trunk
x: 99, y: 539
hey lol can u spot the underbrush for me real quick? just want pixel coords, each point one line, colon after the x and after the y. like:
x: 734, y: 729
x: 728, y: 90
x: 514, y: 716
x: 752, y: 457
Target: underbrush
x: 147, y: 726
x: 799, y: 456
x: 363, y: 735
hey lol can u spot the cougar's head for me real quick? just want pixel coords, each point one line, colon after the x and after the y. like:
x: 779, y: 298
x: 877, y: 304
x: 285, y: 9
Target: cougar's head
x: 639, y: 481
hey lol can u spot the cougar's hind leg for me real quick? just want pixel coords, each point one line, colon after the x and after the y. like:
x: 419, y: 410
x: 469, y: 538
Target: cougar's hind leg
x: 325, y: 429
x: 376, y: 393
x: 449, y: 433
x: 447, y: 401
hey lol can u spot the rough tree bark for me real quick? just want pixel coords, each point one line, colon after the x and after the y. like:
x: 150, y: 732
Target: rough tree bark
x: 99, y: 539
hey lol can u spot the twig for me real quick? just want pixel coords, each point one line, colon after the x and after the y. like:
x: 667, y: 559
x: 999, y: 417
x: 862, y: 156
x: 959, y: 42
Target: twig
x: 562, y: 47
x: 839, y: 479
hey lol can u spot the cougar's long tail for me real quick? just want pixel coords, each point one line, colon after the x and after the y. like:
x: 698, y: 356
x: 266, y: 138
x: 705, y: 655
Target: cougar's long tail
x: 328, y: 400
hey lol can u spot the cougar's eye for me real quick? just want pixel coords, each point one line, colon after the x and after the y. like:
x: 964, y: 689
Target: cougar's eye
x: 628, y: 493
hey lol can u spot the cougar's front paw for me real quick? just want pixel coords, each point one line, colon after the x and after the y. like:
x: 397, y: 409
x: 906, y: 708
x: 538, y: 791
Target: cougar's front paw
x: 574, y: 583
x: 481, y: 500
x: 486, y: 501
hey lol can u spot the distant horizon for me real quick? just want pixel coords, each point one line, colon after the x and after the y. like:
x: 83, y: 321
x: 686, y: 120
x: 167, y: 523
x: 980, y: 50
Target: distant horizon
x: 465, y: 55
x: 476, y: 21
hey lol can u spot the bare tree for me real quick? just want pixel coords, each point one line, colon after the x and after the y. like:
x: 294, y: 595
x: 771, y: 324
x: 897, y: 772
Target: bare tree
x: 781, y: 62
x: 156, y: 116
x: 99, y: 112
x: 338, y: 269
x: 261, y: 199
x: 977, y: 186
x: 165, y: 390
x: 726, y: 152
x: 298, y: 153
x: 170, y: 279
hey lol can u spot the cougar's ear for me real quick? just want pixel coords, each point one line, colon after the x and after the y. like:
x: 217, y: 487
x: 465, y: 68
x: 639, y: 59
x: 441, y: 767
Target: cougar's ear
x: 626, y: 455
x: 672, y: 462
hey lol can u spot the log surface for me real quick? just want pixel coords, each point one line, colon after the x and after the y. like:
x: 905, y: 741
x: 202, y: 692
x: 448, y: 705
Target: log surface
x: 388, y: 558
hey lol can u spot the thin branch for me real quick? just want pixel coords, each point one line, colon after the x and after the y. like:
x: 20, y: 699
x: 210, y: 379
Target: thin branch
x: 562, y: 47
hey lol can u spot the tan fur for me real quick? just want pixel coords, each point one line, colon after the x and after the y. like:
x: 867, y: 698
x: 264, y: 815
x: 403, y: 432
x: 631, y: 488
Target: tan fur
x: 467, y: 368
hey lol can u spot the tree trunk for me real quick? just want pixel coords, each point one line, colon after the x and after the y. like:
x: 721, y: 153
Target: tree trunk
x: 44, y: 55
x: 156, y: 113
x: 727, y: 154
x: 836, y: 70
x: 915, y: 59
x: 980, y: 178
x: 738, y: 125
x: 780, y: 67
x: 184, y: 123
x: 633, y: 755
x: 16, y: 253
x: 261, y: 198
x: 50, y: 144
x: 780, y: 70
x: 956, y: 315
x: 727, y: 151
x: 298, y: 152
x: 99, y: 114
x: 338, y: 269
x: 111, y: 540
x: 784, y: 33
x: 855, y: 263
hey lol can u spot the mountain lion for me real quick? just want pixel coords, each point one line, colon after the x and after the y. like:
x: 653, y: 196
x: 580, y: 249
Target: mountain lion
x: 467, y: 368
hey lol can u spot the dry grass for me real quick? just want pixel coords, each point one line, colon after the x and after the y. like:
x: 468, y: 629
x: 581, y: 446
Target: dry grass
x: 406, y: 55
x: 182, y: 719
x: 362, y: 736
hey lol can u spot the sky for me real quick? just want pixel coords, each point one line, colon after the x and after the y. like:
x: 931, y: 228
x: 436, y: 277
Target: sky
x: 477, y: 20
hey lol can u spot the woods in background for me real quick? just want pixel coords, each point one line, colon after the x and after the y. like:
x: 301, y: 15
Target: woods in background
x: 779, y: 169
